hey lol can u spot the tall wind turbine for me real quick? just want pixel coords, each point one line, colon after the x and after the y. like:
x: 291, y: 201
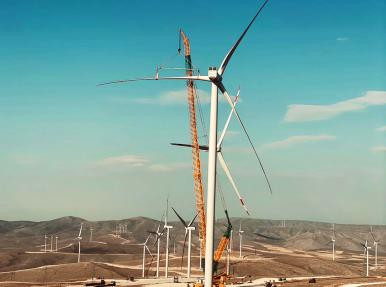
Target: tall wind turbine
x: 188, y: 233
x: 167, y: 227
x: 52, y: 238
x: 375, y: 244
x: 158, y: 235
x: 241, y: 238
x: 91, y: 230
x: 215, y: 77
x: 145, y: 248
x: 366, y: 253
x: 56, y: 243
x: 333, y: 242
x: 45, y: 243
x: 79, y: 238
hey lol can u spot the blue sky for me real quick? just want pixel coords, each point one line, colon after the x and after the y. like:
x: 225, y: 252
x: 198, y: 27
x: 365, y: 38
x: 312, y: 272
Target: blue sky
x: 313, y: 89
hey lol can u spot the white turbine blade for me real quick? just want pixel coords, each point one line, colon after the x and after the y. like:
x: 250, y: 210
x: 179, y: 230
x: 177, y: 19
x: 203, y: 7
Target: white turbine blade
x: 80, y: 230
x: 228, y: 98
x: 233, y: 49
x: 193, y: 78
x: 147, y: 239
x: 228, y: 174
x: 148, y: 250
x: 227, y: 122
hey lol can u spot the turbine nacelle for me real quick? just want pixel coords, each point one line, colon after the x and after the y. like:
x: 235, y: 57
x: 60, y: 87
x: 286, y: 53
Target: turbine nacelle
x: 213, y: 75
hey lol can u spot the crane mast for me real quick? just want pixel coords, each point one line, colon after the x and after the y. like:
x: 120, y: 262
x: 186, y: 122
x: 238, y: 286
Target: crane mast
x: 197, y: 175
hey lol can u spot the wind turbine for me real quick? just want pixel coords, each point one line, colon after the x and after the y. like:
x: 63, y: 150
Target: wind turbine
x: 333, y: 242
x: 91, y: 230
x: 167, y: 227
x: 45, y: 243
x: 188, y: 233
x: 145, y: 248
x: 158, y: 235
x: 366, y: 253
x: 56, y: 243
x: 79, y: 238
x: 215, y: 77
x: 241, y: 237
x: 375, y: 244
x: 52, y: 238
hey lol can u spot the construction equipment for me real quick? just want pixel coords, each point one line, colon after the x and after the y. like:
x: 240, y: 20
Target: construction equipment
x: 222, y: 244
x: 197, y: 174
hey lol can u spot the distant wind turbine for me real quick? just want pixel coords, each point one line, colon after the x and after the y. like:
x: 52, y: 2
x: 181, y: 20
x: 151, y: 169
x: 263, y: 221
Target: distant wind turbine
x: 366, y: 253
x: 79, y: 238
x: 188, y: 233
x: 241, y: 238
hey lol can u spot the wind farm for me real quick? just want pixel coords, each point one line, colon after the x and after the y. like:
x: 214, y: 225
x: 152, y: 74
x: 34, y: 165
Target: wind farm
x: 221, y: 205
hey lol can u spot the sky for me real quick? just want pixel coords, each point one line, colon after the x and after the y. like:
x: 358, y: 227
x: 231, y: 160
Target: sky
x: 313, y: 98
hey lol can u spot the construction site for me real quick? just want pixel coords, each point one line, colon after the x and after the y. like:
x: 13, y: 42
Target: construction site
x: 211, y: 234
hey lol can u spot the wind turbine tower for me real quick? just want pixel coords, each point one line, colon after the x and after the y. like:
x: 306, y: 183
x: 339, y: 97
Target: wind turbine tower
x: 52, y: 239
x: 91, y: 230
x: 56, y: 243
x: 375, y: 244
x: 144, y: 255
x: 167, y: 227
x: 366, y: 252
x: 45, y: 243
x: 188, y: 233
x: 241, y: 238
x: 79, y: 238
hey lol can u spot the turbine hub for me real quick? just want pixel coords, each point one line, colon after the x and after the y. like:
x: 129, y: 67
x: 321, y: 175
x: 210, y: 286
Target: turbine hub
x: 213, y: 75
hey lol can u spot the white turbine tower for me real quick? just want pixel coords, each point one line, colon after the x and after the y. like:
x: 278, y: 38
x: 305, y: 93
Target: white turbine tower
x: 45, y: 243
x: 52, y: 238
x: 215, y: 77
x: 79, y: 238
x: 145, y: 248
x: 91, y: 230
x: 188, y: 233
x: 375, y: 244
x: 333, y: 242
x: 241, y: 238
x: 366, y: 253
x: 56, y: 243
x: 167, y: 227
x: 158, y: 235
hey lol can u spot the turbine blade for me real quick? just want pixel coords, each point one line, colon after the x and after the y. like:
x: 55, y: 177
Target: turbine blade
x: 148, y: 250
x: 80, y: 230
x: 201, y: 147
x: 228, y: 98
x: 180, y: 218
x: 227, y: 122
x: 147, y: 239
x: 193, y: 78
x: 228, y: 56
x: 372, y: 235
x: 228, y: 174
x: 192, y: 221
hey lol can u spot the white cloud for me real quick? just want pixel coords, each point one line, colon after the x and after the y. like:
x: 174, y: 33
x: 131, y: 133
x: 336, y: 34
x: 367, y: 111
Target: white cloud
x: 295, y: 140
x: 140, y: 162
x: 381, y: 129
x: 125, y: 160
x: 178, y: 97
x: 379, y: 149
x: 342, y: 39
x: 303, y: 113
x: 169, y: 167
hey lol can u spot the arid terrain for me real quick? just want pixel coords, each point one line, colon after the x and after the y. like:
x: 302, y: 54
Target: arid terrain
x: 299, y: 250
